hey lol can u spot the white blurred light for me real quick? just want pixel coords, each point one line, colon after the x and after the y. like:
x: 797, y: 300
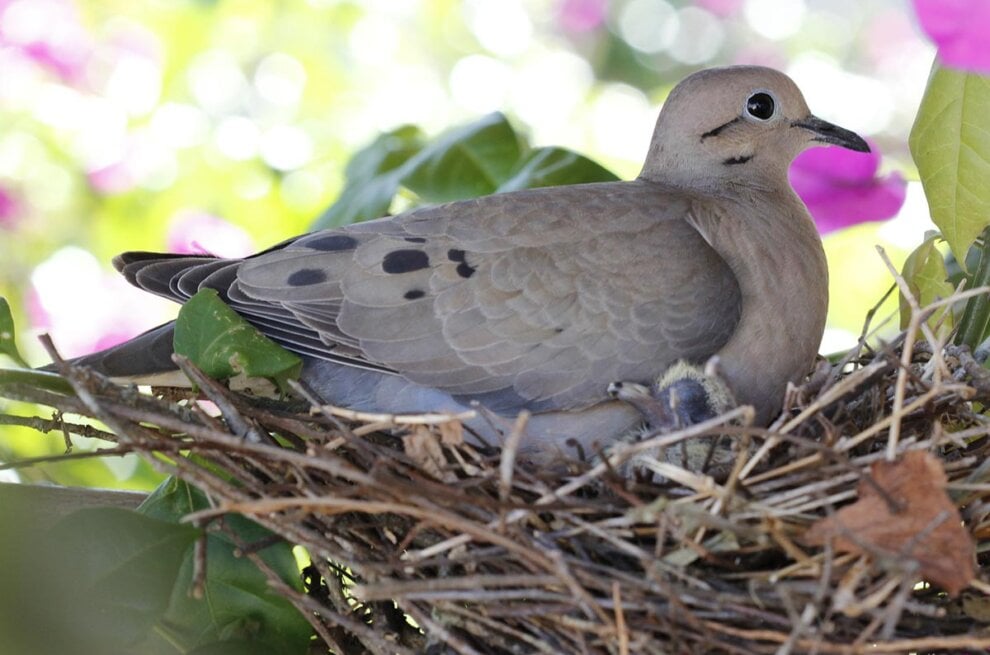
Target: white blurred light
x: 49, y: 187
x: 217, y: 82
x: 302, y: 190
x: 774, y: 19
x: 238, y: 138
x: 101, y: 136
x: 855, y: 102
x: 134, y: 84
x: 622, y: 120
x: 550, y: 88
x: 414, y: 94
x: 649, y: 26
x: 699, y: 38
x: 285, y: 147
x: 479, y: 83
x: 836, y: 340
x: 501, y: 26
x: 179, y: 125
x: 908, y: 228
x: 375, y: 39
x: 253, y: 185
x: 280, y: 79
x: 21, y: 80
x: 153, y: 164
x: 59, y: 106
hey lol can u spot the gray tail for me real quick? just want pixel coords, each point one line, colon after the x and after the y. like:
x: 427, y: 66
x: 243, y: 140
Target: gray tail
x: 146, y: 354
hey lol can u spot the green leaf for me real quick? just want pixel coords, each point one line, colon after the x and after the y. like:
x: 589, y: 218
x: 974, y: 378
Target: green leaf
x: 974, y: 326
x: 238, y: 605
x: 950, y: 143
x: 466, y: 162
x: 555, y: 167
x: 96, y: 582
x: 373, y: 176
x: 8, y: 342
x: 480, y: 158
x: 220, y: 342
x: 924, y: 271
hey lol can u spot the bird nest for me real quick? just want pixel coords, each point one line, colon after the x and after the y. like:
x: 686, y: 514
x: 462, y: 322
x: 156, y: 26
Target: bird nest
x: 849, y: 525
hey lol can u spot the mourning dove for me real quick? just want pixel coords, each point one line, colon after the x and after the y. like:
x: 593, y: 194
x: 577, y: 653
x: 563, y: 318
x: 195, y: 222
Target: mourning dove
x: 537, y: 300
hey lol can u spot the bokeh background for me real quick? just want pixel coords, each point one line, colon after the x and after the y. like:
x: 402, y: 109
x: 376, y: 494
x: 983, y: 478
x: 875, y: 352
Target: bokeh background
x: 225, y: 126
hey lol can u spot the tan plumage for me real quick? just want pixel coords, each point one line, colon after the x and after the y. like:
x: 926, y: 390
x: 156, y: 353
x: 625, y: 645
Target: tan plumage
x: 539, y: 299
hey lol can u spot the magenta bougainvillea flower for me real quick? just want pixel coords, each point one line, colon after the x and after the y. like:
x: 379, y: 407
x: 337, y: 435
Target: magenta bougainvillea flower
x: 582, y: 15
x: 10, y: 210
x: 722, y: 8
x: 841, y: 187
x: 195, y: 232
x: 49, y: 32
x: 960, y: 29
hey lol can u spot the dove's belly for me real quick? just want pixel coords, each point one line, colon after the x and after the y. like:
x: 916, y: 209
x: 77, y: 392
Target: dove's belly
x: 549, y: 435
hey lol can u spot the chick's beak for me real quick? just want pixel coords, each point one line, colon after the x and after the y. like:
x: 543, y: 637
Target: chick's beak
x: 825, y: 132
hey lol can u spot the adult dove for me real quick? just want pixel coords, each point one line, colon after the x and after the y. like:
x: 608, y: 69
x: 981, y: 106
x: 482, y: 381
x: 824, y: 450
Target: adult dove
x: 539, y: 299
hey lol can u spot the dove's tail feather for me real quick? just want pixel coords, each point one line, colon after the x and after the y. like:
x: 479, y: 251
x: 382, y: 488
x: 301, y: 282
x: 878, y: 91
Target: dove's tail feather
x: 145, y: 357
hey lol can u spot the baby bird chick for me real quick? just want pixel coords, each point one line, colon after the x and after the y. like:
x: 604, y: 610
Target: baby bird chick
x: 683, y: 396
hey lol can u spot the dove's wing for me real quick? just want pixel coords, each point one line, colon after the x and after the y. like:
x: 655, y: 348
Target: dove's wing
x: 534, y: 299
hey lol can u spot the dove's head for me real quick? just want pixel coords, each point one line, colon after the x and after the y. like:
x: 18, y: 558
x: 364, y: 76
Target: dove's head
x: 736, y: 125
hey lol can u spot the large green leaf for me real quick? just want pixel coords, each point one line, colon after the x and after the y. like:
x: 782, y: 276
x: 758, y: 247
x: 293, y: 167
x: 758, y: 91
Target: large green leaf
x: 466, y: 162
x: 96, y: 582
x: 924, y: 270
x: 480, y: 158
x: 950, y: 142
x: 555, y: 167
x: 221, y: 343
x: 372, y: 177
x: 238, y: 605
x: 8, y: 343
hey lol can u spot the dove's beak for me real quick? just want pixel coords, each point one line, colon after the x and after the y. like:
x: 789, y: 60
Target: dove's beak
x: 825, y: 132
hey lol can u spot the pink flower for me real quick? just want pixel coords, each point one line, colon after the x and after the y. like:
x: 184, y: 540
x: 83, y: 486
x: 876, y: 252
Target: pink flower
x: 47, y: 31
x: 721, y: 8
x: 841, y: 188
x: 10, y: 210
x: 86, y: 307
x: 959, y: 28
x: 582, y: 15
x: 197, y: 232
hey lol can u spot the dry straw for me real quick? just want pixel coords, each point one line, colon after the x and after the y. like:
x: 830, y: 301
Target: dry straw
x: 421, y: 543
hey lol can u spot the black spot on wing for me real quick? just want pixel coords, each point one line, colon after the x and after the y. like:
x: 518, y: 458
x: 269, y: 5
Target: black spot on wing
x: 464, y: 269
x: 306, y: 276
x: 332, y: 243
x: 413, y: 294
x: 405, y: 261
x: 415, y: 239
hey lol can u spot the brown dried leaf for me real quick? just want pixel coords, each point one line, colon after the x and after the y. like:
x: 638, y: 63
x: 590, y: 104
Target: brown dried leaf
x: 451, y: 433
x: 423, y: 447
x: 911, y: 517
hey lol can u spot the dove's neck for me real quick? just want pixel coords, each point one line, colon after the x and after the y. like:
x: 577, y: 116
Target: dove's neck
x: 773, y: 247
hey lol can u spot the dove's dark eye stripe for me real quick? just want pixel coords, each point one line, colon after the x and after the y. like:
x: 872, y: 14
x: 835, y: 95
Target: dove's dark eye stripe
x: 737, y: 160
x: 717, y: 130
x: 405, y: 261
x: 306, y: 276
x: 333, y: 243
x: 413, y: 294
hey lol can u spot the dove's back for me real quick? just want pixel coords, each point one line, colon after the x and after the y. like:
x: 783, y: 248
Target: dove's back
x: 531, y: 300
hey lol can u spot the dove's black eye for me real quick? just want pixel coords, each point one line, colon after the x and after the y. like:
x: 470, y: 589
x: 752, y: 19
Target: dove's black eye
x: 760, y: 105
